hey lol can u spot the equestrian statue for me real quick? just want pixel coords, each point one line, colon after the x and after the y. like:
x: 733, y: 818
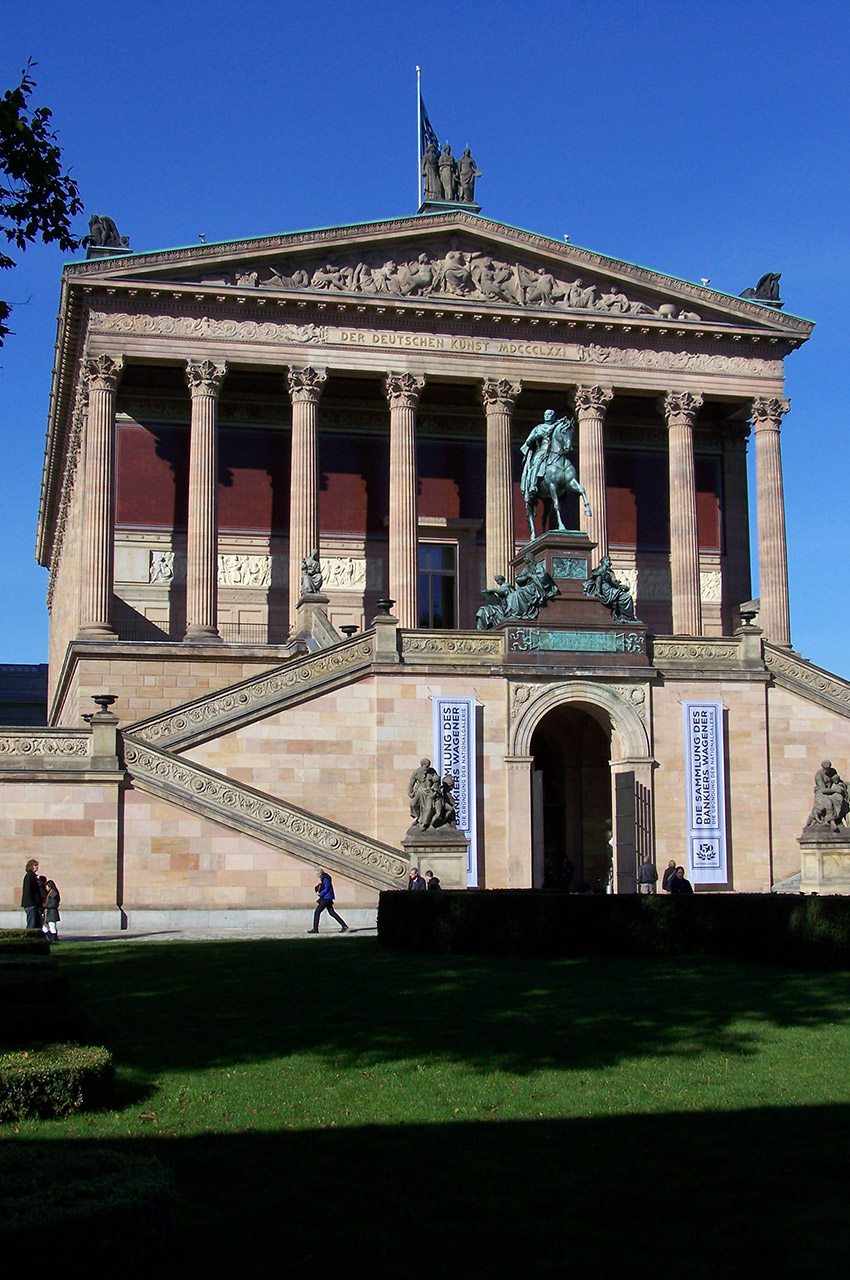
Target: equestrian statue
x: 547, y: 473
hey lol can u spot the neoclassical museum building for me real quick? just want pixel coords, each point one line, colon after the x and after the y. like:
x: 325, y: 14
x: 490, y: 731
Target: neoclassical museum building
x: 221, y: 412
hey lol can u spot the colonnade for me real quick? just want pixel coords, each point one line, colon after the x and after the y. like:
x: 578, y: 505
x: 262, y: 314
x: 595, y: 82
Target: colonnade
x: 403, y: 389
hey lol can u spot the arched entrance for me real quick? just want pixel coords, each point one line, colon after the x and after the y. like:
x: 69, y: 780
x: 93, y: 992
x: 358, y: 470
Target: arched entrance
x: 572, y: 820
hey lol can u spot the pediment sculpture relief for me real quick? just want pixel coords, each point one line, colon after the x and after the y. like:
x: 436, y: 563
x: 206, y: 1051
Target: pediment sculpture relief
x: 469, y: 275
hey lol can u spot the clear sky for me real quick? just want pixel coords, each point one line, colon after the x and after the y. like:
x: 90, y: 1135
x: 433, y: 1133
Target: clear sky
x: 703, y: 140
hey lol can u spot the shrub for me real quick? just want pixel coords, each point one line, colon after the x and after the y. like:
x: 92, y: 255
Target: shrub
x: 98, y: 1206
x: 54, y: 1081
x: 23, y: 942
x: 810, y: 932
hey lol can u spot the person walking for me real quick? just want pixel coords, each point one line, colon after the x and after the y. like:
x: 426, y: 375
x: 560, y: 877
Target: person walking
x: 679, y: 884
x: 647, y: 876
x: 432, y: 881
x: 325, y: 890
x: 31, y: 897
x: 669, y: 873
x: 416, y: 881
x: 51, y: 911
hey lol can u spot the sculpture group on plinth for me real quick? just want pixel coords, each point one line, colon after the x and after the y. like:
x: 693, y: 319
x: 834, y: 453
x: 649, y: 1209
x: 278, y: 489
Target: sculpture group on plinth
x: 432, y: 802
x: 608, y: 590
x: 547, y: 472
x: 831, y: 804
x: 519, y: 601
x: 448, y: 179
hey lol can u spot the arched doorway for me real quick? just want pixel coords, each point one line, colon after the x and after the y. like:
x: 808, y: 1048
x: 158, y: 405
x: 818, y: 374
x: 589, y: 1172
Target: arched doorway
x: 571, y: 798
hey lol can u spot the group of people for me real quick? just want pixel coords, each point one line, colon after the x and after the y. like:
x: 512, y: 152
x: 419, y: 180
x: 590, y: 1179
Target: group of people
x: 673, y: 881
x: 40, y: 900
x: 418, y: 881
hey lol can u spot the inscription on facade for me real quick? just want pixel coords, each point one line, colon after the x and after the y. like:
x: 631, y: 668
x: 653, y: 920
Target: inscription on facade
x: 705, y: 789
x: 528, y: 639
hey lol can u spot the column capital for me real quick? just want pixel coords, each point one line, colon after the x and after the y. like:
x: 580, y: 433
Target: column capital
x: 499, y: 394
x: 767, y: 412
x: 680, y: 408
x: 204, y: 377
x: 306, y: 383
x: 103, y: 373
x: 403, y: 389
x: 592, y: 400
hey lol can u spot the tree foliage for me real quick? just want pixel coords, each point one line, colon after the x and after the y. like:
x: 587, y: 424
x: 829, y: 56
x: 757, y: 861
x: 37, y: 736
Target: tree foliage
x: 38, y: 198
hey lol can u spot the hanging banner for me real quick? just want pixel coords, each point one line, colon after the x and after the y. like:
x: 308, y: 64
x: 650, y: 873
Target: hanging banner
x: 705, y: 773
x: 454, y: 753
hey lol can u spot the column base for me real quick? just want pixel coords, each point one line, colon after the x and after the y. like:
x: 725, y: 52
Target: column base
x: 97, y: 631
x: 202, y: 635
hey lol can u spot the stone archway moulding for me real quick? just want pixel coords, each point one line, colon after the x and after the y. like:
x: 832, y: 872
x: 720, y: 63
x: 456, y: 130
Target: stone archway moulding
x: 623, y: 717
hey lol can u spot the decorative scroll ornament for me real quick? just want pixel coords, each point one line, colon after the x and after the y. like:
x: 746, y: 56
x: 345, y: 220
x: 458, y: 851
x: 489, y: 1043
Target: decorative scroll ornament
x: 681, y: 407
x: 142, y: 324
x: 805, y: 678
x: 482, y: 647
x: 718, y: 651
x: 271, y: 689
x: 676, y: 361
x: 49, y: 744
x: 404, y: 389
x: 204, y: 377
x: 767, y: 412
x: 500, y: 394
x: 103, y: 373
x: 306, y: 384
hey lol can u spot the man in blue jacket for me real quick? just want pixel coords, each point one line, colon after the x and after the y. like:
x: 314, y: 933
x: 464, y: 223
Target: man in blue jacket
x: 325, y: 890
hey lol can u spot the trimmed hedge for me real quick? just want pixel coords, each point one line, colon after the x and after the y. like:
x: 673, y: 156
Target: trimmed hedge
x: 23, y: 942
x: 809, y: 932
x: 97, y: 1206
x: 54, y: 1081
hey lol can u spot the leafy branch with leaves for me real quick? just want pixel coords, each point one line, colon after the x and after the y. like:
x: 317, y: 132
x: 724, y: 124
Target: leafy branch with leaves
x: 38, y: 198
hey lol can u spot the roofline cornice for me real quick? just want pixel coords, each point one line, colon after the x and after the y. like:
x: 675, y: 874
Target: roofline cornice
x: 120, y: 268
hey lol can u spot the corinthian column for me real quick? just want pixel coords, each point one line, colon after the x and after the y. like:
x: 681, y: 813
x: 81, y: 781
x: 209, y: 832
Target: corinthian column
x: 680, y: 409
x: 305, y: 389
x: 774, y: 617
x: 403, y: 391
x: 102, y: 374
x: 204, y: 381
x: 499, y: 397
x: 590, y: 406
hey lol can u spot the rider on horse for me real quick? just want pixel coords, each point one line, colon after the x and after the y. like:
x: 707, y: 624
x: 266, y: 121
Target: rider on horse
x: 547, y: 473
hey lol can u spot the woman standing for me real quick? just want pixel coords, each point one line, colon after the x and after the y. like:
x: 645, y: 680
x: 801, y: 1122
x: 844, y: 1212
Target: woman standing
x: 51, y: 911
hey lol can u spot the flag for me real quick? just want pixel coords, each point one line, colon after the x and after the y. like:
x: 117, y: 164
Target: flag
x: 429, y: 137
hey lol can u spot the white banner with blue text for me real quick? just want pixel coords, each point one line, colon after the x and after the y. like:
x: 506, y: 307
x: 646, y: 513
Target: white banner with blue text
x: 454, y: 752
x: 705, y: 775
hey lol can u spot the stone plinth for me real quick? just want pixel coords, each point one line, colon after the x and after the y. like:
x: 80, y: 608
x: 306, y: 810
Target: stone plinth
x: 443, y: 851
x: 571, y: 629
x: 824, y: 861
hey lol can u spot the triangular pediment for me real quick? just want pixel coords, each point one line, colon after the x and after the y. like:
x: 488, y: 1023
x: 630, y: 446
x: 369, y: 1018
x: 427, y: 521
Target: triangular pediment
x: 455, y: 260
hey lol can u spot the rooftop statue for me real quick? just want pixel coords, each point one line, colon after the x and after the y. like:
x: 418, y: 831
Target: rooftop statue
x: 547, y: 473
x: 615, y: 595
x: 431, y: 173
x: 831, y: 804
x: 467, y: 172
x: 103, y: 234
x: 448, y: 174
x: 767, y: 289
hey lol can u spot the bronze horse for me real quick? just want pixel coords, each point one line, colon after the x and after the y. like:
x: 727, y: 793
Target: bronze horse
x: 555, y: 476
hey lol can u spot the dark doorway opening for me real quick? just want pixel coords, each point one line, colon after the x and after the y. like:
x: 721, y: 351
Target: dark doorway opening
x: 571, y: 809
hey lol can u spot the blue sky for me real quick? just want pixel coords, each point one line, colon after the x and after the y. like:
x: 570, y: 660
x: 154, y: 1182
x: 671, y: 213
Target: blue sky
x: 701, y: 140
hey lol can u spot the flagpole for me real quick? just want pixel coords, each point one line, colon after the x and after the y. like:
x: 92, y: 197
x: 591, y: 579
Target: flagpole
x: 419, y: 133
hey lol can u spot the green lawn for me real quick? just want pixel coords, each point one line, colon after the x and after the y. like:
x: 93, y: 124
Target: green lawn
x: 326, y: 1103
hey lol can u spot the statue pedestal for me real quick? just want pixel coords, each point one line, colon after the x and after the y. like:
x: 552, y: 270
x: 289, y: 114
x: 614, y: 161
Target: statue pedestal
x: 571, y: 629
x: 443, y: 851
x: 824, y: 861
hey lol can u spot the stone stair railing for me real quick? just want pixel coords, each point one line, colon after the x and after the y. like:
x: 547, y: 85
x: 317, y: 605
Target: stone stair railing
x: 801, y: 676
x: 261, y: 695
x: 249, y: 812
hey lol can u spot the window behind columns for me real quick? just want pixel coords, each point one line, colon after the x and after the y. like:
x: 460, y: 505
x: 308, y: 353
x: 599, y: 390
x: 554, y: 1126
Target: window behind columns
x: 437, y: 584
